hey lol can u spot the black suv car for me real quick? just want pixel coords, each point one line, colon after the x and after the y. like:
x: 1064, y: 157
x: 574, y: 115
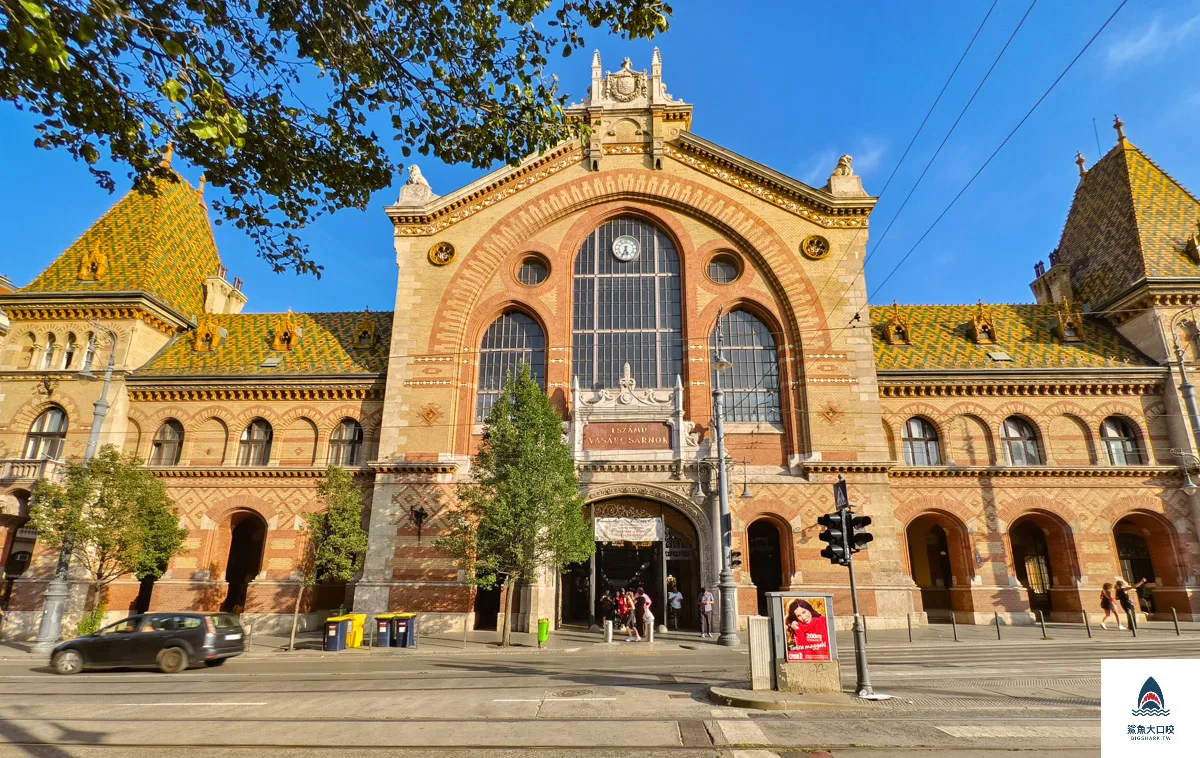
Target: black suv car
x: 170, y: 641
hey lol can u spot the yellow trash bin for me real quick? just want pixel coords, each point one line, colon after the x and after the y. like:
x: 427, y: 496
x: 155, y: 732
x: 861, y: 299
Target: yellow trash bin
x: 357, y: 622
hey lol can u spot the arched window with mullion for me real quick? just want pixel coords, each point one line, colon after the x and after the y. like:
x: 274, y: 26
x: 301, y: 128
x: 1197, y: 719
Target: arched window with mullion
x: 920, y: 443
x: 752, y: 384
x: 1020, y: 442
x: 254, y: 449
x: 345, y: 445
x: 47, y: 435
x: 627, y: 306
x: 168, y: 441
x: 511, y: 340
x: 1120, y: 442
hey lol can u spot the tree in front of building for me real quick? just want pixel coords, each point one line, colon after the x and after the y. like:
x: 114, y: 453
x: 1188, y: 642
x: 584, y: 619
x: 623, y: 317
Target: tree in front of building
x: 336, y: 542
x: 114, y: 516
x: 523, y: 510
x: 289, y: 108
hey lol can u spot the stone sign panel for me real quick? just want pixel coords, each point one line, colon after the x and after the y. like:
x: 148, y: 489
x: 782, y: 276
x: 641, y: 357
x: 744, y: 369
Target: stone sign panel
x: 642, y: 435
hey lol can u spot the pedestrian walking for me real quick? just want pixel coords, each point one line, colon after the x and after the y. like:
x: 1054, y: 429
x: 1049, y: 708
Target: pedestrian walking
x: 675, y: 605
x: 706, y: 608
x: 1123, y: 591
x: 606, y: 607
x: 632, y: 633
x: 641, y: 603
x: 1108, y: 602
x: 622, y: 609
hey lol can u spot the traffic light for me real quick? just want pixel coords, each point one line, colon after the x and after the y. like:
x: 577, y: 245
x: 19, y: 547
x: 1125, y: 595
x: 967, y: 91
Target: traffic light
x: 835, y: 535
x: 857, y: 538
x: 735, y: 558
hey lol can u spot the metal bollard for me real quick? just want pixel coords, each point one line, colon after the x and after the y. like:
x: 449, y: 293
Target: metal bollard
x: 954, y: 625
x: 1042, y: 621
x: 1131, y: 617
x: 997, y: 614
x: 1087, y: 624
x: 909, y: 626
x: 650, y: 633
x: 250, y: 639
x: 608, y: 624
x: 1175, y: 618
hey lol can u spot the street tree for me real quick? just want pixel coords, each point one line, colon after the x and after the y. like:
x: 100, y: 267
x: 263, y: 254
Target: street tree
x: 113, y: 515
x: 522, y: 510
x: 286, y: 104
x: 336, y: 542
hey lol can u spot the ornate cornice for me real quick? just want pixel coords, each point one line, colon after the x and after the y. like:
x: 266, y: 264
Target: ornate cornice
x: 627, y: 466
x: 415, y: 467
x: 246, y: 472
x: 891, y: 386
x: 93, y: 313
x: 1128, y: 472
x: 263, y: 393
x: 846, y: 467
x: 451, y: 209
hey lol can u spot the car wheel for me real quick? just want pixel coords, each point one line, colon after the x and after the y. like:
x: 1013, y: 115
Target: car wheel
x: 216, y: 662
x: 68, y: 662
x: 173, y: 660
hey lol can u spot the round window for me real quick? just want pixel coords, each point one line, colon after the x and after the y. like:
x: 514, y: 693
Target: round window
x: 532, y: 271
x: 723, y: 268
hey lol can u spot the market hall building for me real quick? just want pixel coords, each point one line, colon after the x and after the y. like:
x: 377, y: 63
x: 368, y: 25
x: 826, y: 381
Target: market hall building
x: 1013, y: 457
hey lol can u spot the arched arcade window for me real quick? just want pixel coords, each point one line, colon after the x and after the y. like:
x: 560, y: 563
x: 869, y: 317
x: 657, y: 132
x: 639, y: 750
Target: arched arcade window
x: 69, y: 352
x: 47, y: 435
x: 254, y: 449
x: 48, y: 352
x: 920, y: 443
x: 345, y: 445
x: 168, y: 441
x: 627, y: 306
x: 511, y: 340
x: 1020, y: 442
x: 752, y: 385
x: 1120, y: 440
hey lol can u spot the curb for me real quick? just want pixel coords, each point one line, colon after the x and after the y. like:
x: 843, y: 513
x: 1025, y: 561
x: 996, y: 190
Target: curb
x: 769, y: 700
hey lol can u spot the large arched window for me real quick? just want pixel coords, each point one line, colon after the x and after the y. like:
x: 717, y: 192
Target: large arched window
x: 254, y: 449
x: 752, y: 385
x: 345, y: 445
x: 69, y: 352
x: 1120, y: 440
x: 511, y: 340
x: 47, y: 435
x: 1020, y: 442
x: 168, y: 441
x: 920, y: 443
x: 627, y: 306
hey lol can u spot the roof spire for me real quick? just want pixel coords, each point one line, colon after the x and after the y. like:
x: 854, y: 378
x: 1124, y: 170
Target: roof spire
x: 166, y: 161
x: 200, y: 188
x: 1080, y: 161
x: 1119, y: 125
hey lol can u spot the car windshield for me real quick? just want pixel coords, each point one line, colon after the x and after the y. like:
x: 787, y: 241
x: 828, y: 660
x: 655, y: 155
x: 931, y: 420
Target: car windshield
x: 226, y: 621
x: 124, y: 626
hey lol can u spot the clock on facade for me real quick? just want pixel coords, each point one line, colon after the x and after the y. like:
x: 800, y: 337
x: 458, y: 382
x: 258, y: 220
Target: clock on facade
x: 626, y: 248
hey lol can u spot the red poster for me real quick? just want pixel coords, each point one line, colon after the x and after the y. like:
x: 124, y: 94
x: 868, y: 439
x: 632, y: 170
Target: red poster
x: 806, y: 628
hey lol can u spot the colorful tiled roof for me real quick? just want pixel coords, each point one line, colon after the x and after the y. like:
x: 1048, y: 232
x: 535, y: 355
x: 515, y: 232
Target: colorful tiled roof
x: 1129, y: 220
x: 326, y: 347
x: 940, y: 338
x: 161, y: 244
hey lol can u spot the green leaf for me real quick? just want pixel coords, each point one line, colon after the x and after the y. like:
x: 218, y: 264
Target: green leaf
x: 172, y: 48
x: 173, y: 91
x: 204, y: 130
x: 35, y: 10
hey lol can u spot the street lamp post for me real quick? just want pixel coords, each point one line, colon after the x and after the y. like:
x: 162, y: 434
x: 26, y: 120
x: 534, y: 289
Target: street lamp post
x: 729, y: 633
x: 50, y: 626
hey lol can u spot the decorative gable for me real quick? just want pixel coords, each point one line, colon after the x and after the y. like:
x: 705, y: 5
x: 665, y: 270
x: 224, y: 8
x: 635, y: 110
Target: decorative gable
x: 207, y: 337
x: 983, y: 328
x: 366, y: 332
x: 287, y: 332
x: 1068, y: 323
x: 93, y: 265
x: 895, y: 329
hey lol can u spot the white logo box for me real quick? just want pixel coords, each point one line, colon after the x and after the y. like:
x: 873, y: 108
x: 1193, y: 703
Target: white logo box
x: 1139, y: 717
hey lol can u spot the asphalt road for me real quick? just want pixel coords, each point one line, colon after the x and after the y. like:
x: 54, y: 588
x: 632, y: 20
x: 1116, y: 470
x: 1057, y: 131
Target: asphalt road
x: 961, y: 700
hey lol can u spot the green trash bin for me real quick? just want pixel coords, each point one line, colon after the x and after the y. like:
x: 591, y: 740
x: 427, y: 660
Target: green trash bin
x: 543, y: 631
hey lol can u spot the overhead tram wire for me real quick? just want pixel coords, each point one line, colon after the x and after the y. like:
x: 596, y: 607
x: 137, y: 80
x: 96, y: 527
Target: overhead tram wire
x: 1000, y: 147
x: 863, y: 268
x: 911, y: 142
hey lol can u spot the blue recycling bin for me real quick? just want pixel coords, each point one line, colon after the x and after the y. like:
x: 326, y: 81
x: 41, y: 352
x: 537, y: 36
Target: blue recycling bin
x: 383, y: 629
x: 404, y: 630
x: 336, y: 629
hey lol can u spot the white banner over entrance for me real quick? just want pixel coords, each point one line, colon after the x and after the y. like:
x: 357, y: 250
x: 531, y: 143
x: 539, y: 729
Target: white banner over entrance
x: 621, y: 529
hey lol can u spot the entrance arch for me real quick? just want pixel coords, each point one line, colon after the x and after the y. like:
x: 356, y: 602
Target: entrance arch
x: 1043, y: 555
x: 938, y: 563
x: 766, y: 559
x: 247, y: 537
x: 1146, y: 549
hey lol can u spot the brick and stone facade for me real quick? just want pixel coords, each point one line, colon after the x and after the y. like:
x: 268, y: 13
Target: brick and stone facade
x: 975, y: 530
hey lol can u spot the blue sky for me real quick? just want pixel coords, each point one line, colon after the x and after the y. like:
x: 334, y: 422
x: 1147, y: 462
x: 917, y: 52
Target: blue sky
x: 793, y: 85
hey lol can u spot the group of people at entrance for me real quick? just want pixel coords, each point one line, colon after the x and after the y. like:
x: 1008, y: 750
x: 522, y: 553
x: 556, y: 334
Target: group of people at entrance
x: 630, y: 611
x: 1110, y: 601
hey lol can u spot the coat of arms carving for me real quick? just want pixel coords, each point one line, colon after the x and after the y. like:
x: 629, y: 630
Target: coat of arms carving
x: 626, y: 85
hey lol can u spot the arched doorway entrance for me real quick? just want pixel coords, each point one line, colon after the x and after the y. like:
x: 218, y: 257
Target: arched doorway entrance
x: 248, y: 533
x: 1043, y: 560
x: 937, y: 562
x: 1145, y: 547
x: 652, y: 565
x: 766, y: 560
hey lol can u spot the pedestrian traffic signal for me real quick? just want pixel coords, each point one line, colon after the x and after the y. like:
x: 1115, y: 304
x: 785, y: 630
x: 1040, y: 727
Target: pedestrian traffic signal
x: 857, y: 537
x: 835, y: 535
x: 735, y: 558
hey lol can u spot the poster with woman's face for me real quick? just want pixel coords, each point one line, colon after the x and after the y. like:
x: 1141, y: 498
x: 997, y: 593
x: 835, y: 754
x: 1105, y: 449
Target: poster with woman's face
x: 806, y: 628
